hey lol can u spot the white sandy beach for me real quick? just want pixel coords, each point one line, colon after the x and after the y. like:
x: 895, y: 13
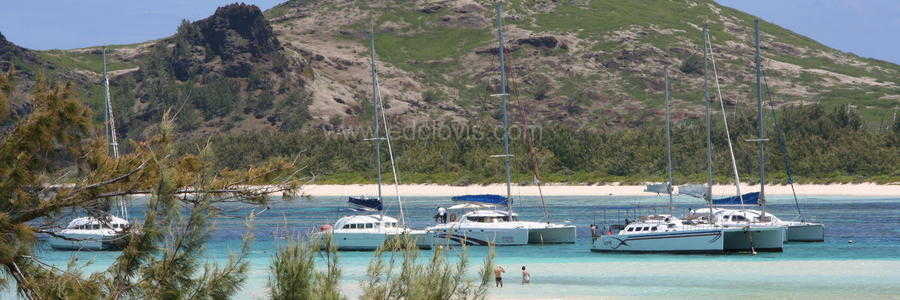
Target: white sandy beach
x: 862, y: 190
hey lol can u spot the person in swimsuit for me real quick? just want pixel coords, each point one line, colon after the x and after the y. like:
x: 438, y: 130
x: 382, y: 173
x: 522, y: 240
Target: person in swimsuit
x: 526, y: 277
x: 498, y: 275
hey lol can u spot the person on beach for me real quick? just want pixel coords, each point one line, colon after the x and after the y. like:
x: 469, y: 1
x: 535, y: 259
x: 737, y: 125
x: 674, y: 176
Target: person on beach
x: 526, y: 277
x: 498, y: 275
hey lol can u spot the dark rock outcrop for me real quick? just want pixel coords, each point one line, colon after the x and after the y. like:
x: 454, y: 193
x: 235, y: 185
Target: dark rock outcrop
x: 230, y: 42
x: 237, y: 29
x: 547, y: 42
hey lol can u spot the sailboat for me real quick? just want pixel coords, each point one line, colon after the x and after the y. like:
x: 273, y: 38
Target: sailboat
x: 795, y: 231
x: 97, y: 233
x: 663, y: 233
x: 485, y: 222
x: 743, y: 231
x: 368, y: 232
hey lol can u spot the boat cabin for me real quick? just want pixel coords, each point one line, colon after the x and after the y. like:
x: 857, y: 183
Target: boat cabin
x: 731, y: 216
x: 365, y: 222
x: 649, y: 224
x: 91, y: 223
x: 489, y: 216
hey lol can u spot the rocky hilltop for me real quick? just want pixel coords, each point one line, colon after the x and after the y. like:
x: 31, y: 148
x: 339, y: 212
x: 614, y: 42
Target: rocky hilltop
x: 584, y: 63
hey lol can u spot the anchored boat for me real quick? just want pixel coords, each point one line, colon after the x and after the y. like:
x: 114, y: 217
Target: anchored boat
x: 485, y: 224
x: 105, y: 232
x: 367, y: 232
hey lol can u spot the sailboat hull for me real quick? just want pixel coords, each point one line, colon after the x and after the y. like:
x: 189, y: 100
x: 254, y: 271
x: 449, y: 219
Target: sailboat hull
x: 805, y: 232
x: 686, y: 241
x: 479, y: 236
x: 86, y: 242
x: 551, y: 234
x: 371, y: 241
x: 754, y: 238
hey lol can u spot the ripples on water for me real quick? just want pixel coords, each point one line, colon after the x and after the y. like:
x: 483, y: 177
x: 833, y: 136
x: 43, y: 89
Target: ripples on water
x: 868, y: 267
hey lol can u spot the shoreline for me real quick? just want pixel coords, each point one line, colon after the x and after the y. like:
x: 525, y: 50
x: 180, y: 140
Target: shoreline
x: 435, y: 190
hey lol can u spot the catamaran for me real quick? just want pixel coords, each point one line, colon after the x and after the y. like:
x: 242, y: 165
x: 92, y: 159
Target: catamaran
x: 662, y: 233
x: 484, y: 223
x: 738, y: 210
x: 761, y: 234
x: 367, y: 232
x: 105, y: 232
x: 706, y: 230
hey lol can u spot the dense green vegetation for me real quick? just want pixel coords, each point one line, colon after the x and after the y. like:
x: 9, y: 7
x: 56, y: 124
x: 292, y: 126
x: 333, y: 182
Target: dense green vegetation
x: 824, y: 146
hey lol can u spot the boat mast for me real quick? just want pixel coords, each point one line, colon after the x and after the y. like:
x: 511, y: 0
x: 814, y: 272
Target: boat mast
x: 111, y: 128
x: 387, y: 131
x: 669, y: 145
x: 376, y: 129
x: 505, y: 96
x: 737, y: 177
x: 709, y: 150
x: 760, y: 122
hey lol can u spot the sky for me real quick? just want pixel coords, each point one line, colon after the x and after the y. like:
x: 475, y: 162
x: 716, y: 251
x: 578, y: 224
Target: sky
x: 869, y: 28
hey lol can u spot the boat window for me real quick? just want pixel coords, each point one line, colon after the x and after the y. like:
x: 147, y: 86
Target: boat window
x: 654, y: 228
x: 630, y: 228
x: 738, y: 218
x: 346, y: 226
x: 370, y: 225
x: 96, y: 226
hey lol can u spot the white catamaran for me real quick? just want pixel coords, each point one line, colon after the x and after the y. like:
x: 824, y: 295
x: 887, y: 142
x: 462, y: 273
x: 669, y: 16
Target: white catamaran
x: 484, y: 224
x: 739, y: 210
x: 106, y: 232
x: 662, y: 233
x: 760, y: 234
x: 367, y: 232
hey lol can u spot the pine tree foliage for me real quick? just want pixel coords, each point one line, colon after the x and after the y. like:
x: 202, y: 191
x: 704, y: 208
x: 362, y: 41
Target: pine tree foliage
x: 293, y: 273
x: 163, y: 255
x: 397, y: 272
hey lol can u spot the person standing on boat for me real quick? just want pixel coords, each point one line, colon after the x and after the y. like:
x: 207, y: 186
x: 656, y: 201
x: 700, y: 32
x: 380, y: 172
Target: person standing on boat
x: 498, y: 275
x: 526, y: 277
x: 442, y: 215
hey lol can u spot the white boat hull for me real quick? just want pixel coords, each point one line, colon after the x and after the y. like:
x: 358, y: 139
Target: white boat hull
x: 751, y: 238
x: 371, y: 241
x: 455, y: 236
x: 85, y: 242
x: 552, y: 234
x: 805, y: 232
x: 688, y: 241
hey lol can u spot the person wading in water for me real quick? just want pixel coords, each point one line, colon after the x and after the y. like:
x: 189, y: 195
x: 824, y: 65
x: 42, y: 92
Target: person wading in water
x: 498, y: 275
x: 526, y: 277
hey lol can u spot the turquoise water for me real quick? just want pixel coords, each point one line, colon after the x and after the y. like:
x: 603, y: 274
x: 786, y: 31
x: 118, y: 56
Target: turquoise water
x: 868, y: 267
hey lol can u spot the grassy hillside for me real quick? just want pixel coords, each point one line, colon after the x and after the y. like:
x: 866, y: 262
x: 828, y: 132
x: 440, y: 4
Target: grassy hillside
x: 611, y: 63
x: 295, y: 79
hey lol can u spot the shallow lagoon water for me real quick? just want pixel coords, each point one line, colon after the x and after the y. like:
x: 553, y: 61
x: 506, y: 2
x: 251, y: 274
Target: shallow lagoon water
x: 869, y: 267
